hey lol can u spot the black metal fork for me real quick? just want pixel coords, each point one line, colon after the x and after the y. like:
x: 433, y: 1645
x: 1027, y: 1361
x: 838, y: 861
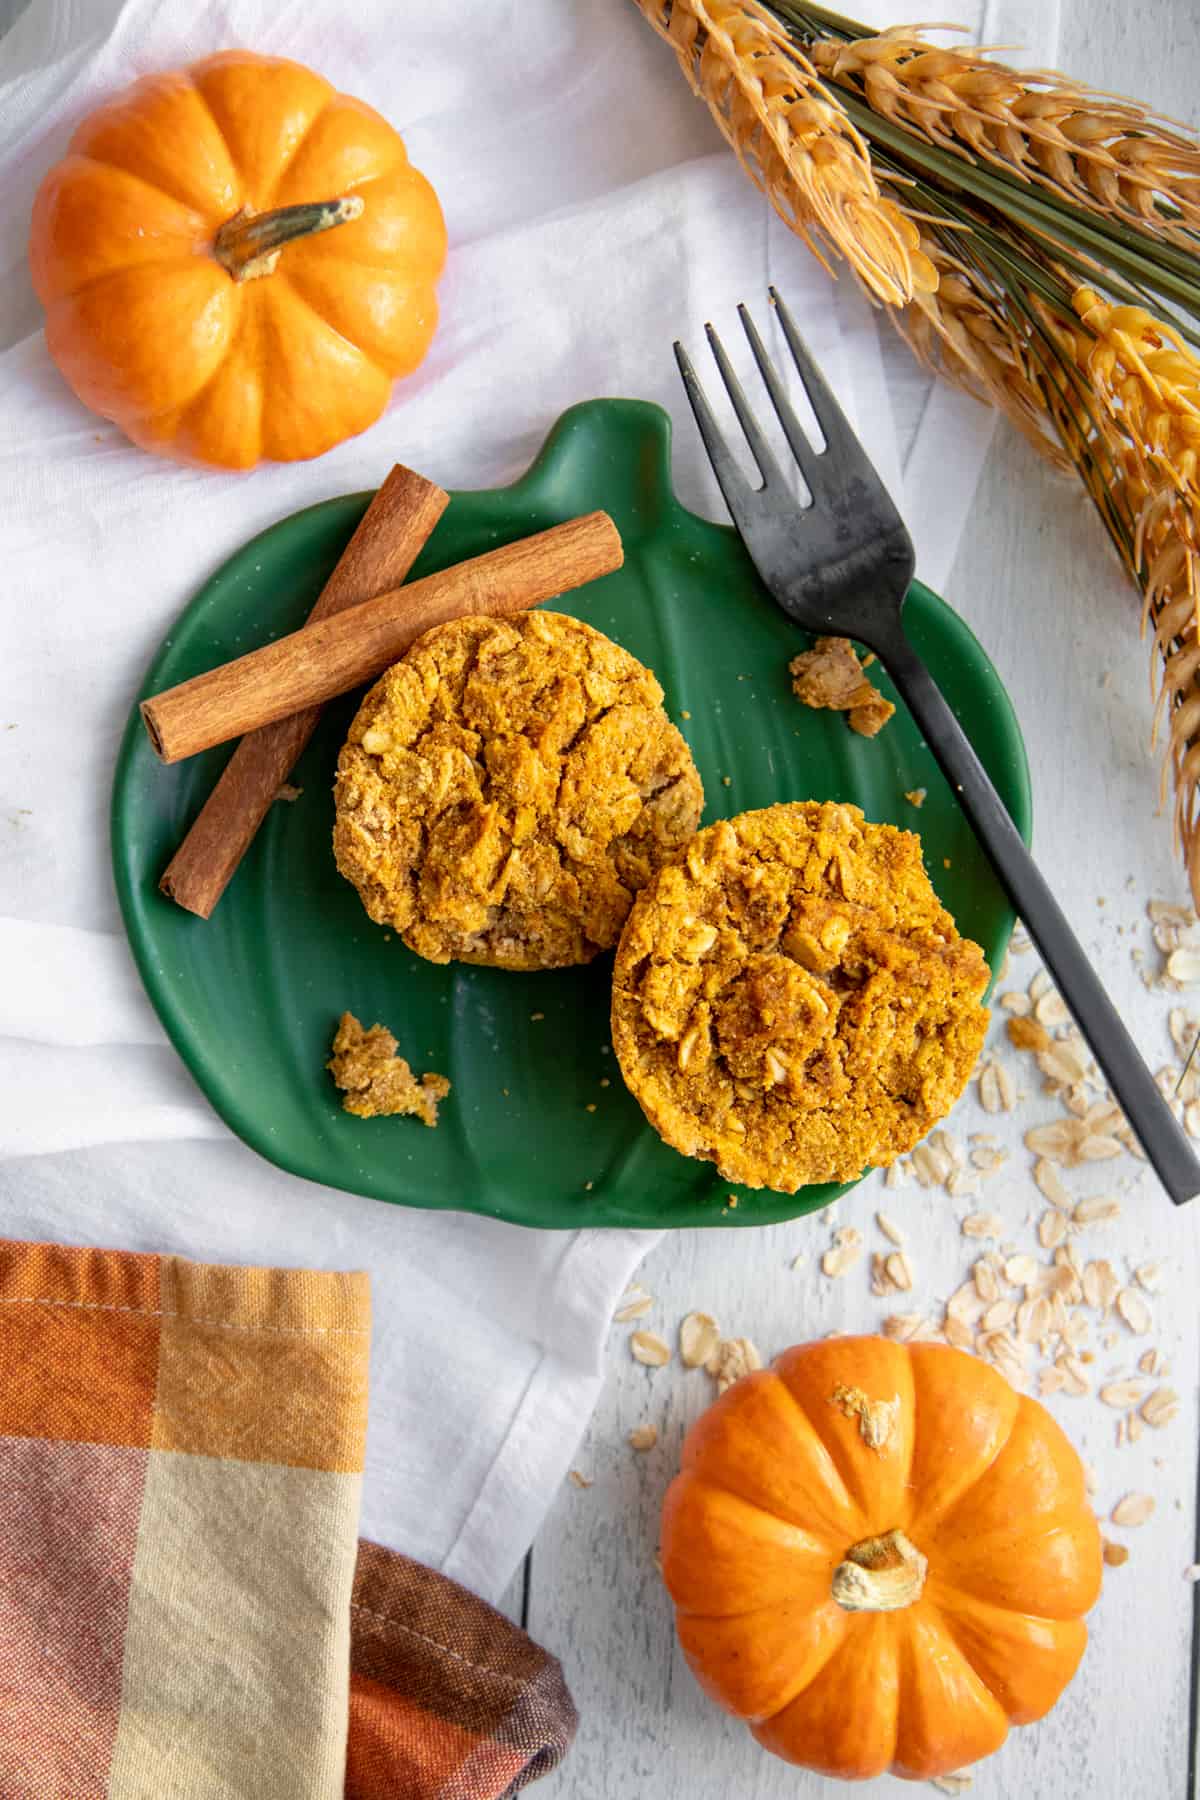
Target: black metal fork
x: 842, y: 566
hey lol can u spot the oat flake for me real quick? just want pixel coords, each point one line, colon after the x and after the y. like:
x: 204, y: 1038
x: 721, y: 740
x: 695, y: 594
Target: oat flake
x: 1134, y: 1311
x: 648, y: 1348
x: 699, y: 1336
x: 1134, y: 1509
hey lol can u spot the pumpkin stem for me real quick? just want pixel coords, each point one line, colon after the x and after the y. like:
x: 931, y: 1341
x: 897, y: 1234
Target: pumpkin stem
x: 880, y: 1574
x: 248, y: 245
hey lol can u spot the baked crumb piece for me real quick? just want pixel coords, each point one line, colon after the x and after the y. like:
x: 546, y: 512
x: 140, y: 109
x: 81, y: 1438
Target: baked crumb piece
x: 830, y: 675
x: 915, y: 796
x: 378, y: 1083
x: 1028, y: 1034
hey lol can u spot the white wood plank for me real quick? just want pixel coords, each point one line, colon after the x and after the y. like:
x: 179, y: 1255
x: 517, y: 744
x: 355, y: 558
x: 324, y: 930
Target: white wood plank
x: 1036, y: 581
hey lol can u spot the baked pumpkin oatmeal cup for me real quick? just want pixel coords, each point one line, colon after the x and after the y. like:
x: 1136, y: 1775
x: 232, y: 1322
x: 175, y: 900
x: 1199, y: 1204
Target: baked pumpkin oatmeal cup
x: 792, y: 1002
x: 507, y: 788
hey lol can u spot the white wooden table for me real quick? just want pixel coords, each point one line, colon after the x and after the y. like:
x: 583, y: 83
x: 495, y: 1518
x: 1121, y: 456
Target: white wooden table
x: 1036, y: 581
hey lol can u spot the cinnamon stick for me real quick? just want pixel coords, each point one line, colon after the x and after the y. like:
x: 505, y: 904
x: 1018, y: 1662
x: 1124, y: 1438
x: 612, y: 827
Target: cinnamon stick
x: 378, y: 557
x: 339, y: 653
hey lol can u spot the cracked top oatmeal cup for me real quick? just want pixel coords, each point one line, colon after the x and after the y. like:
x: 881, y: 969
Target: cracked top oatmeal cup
x: 507, y: 787
x: 792, y: 1002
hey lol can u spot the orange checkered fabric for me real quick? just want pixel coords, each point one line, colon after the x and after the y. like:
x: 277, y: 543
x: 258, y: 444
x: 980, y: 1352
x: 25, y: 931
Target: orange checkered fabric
x: 184, y: 1606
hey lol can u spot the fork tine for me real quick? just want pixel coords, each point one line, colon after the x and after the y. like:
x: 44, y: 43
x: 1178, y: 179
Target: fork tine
x: 732, y: 482
x: 835, y: 426
x: 802, y: 450
x: 759, y: 447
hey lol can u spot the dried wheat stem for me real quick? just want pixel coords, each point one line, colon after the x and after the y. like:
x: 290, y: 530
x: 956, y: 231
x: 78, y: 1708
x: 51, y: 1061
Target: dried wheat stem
x: 963, y: 332
x: 793, y: 139
x: 1111, y: 156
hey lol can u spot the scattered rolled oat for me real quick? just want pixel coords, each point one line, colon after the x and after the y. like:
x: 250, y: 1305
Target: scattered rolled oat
x: 1192, y: 1572
x: 1161, y: 1407
x: 1122, y: 1394
x: 1019, y: 1271
x: 999, y: 1315
x: 986, y: 1279
x: 1100, y: 1286
x: 843, y: 1253
x: 1033, y: 1319
x: 900, y: 1271
x: 1096, y: 1209
x: 987, y: 1160
x: 1149, y: 1276
x: 636, y: 1307
x: 1134, y: 1311
x: 1134, y: 1509
x: 1016, y: 1002
x: 1052, y: 1229
x: 890, y: 1229
x: 983, y: 1225
x: 1051, y: 1010
x: 643, y: 1437
x: 648, y: 1348
x: 732, y: 1358
x: 997, y: 1092
x: 1049, y: 1182
x: 1183, y: 966
x: 966, y: 1303
x: 952, y: 1784
x: 699, y: 1336
x: 902, y: 1328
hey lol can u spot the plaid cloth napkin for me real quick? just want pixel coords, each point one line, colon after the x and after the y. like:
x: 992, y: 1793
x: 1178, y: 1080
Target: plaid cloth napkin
x: 184, y: 1607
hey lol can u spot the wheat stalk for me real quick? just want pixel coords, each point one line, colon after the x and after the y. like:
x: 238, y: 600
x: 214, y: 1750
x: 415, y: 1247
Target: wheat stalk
x: 1105, y: 154
x: 1027, y: 234
x: 793, y: 139
x: 1126, y: 403
x: 1149, y: 384
x: 1169, y: 573
x: 962, y: 332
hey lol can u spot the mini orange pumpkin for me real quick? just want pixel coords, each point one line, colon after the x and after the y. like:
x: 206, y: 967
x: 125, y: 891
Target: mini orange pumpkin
x: 236, y: 262
x: 880, y: 1556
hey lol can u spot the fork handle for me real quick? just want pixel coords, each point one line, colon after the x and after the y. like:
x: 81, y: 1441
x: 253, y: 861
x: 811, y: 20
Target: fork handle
x: 1129, y: 1079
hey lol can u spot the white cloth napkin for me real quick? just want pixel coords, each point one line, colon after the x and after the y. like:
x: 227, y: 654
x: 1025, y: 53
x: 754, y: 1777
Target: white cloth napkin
x: 593, y: 216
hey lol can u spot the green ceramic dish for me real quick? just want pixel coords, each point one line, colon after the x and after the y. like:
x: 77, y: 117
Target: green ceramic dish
x: 251, y: 998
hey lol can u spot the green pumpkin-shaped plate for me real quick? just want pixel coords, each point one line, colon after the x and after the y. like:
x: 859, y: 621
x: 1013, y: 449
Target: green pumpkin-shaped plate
x: 538, y: 1128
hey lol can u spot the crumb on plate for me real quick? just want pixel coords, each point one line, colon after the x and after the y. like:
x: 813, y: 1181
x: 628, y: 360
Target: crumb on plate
x: 376, y: 1080
x: 831, y: 676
